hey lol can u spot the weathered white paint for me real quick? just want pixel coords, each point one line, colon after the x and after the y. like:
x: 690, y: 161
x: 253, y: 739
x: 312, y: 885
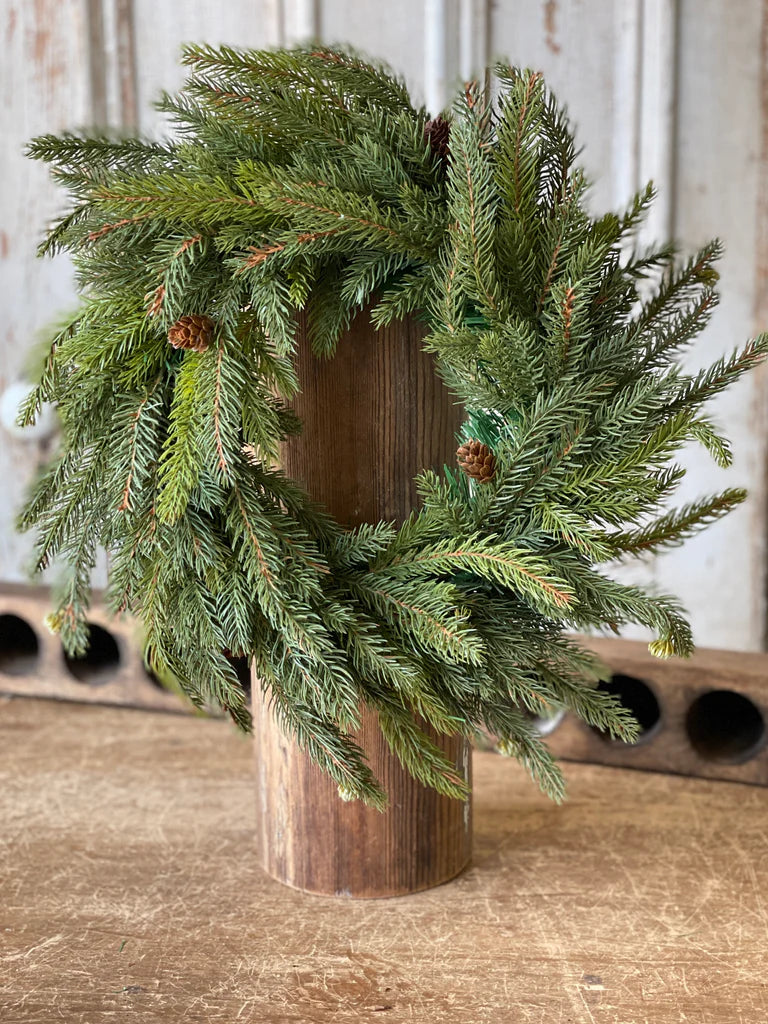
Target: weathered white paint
x: 474, y: 23
x: 720, y: 575
x: 573, y: 43
x: 467, y: 31
x: 435, y: 55
x: 626, y: 91
x: 670, y: 89
x: 112, y: 63
x: 162, y: 26
x: 297, y: 21
x: 44, y: 87
x: 657, y: 85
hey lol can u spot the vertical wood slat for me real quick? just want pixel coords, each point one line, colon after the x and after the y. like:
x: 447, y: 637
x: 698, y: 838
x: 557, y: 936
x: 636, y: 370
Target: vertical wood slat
x: 474, y: 41
x: 44, y: 87
x: 112, y: 64
x: 125, y: 60
x: 435, y: 55
x: 625, y: 125
x: 658, y: 93
x: 759, y: 419
x: 97, y: 62
x: 373, y: 416
x: 299, y: 21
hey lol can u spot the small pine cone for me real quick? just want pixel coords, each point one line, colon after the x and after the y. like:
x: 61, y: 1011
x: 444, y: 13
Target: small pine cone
x: 477, y: 460
x: 192, y: 332
x: 438, y: 133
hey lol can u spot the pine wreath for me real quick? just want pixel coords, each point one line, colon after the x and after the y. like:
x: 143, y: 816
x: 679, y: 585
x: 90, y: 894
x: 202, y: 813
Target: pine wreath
x: 306, y: 179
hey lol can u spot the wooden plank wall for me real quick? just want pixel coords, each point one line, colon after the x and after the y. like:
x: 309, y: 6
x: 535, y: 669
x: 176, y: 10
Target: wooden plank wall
x: 673, y: 89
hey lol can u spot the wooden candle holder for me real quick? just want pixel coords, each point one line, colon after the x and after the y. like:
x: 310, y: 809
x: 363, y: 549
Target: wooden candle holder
x: 374, y: 416
x: 705, y: 716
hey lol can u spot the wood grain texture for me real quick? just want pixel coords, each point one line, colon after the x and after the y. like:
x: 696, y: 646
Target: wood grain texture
x: 726, y: 742
x: 128, y: 891
x: 310, y: 839
x: 374, y: 416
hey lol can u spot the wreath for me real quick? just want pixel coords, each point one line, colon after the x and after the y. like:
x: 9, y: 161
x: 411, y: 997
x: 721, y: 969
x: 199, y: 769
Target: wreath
x: 305, y: 179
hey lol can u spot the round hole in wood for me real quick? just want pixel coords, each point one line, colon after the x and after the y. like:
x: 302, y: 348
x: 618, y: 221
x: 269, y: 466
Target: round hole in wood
x: 243, y: 672
x: 638, y: 697
x: 19, y: 646
x: 725, y: 726
x: 154, y: 679
x: 100, y: 661
x: 239, y: 664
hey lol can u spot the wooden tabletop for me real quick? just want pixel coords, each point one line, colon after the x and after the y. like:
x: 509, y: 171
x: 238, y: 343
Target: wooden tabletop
x: 128, y: 892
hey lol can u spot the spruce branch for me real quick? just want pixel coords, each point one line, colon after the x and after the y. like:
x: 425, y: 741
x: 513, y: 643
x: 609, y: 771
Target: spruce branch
x: 304, y: 182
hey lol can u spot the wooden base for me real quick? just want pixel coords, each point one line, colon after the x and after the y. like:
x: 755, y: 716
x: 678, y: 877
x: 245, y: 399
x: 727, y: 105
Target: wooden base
x: 310, y: 839
x: 374, y: 416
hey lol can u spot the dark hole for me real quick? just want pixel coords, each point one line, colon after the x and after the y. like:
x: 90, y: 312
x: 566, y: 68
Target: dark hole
x: 19, y: 646
x: 154, y: 679
x: 725, y: 726
x: 637, y: 696
x: 243, y: 672
x: 239, y: 664
x: 100, y: 660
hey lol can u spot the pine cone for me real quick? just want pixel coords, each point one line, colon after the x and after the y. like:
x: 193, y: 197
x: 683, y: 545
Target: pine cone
x: 437, y: 133
x: 193, y: 332
x: 477, y: 460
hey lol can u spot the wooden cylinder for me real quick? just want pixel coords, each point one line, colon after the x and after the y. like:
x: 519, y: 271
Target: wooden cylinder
x: 374, y: 415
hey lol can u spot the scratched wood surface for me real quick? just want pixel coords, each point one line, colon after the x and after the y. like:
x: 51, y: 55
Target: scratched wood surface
x: 129, y: 891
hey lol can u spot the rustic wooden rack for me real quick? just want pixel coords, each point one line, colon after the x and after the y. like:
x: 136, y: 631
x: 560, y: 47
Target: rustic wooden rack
x: 33, y: 662
x: 702, y: 717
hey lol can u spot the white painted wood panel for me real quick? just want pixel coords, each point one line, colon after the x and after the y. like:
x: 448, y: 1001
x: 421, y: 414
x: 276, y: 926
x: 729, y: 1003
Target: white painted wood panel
x: 574, y: 43
x: 720, y: 121
x: 669, y: 88
x: 44, y: 86
x: 392, y: 31
x: 161, y: 28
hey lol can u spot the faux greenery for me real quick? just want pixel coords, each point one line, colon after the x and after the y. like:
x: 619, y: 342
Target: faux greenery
x: 306, y: 179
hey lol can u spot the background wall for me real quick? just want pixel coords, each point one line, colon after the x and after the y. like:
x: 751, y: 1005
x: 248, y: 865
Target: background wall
x: 676, y: 90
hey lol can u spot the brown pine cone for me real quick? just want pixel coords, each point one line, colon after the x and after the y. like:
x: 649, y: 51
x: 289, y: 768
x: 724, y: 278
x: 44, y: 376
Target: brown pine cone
x: 477, y: 460
x: 438, y: 133
x: 192, y: 332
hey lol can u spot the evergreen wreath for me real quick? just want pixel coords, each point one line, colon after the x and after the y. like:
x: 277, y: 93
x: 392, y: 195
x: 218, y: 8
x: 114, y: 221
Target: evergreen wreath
x: 306, y: 179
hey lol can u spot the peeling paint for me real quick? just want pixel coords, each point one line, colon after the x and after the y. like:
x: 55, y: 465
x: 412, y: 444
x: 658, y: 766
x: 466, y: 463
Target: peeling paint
x: 550, y: 26
x: 10, y: 24
x: 42, y: 32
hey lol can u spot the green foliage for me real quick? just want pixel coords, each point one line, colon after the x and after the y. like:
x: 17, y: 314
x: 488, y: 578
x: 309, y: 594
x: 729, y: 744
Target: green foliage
x: 303, y: 179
